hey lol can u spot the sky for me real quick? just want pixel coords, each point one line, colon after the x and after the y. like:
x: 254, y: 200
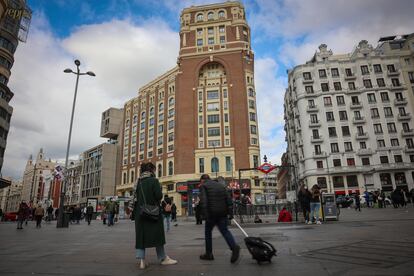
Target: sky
x: 127, y: 43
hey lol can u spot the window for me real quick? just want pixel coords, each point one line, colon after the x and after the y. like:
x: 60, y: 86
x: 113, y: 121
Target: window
x: 384, y: 159
x: 334, y: 147
x: 327, y: 101
x: 210, y: 16
x: 330, y: 117
x: 252, y: 116
x: 395, y: 143
x: 221, y: 14
x: 335, y: 72
x: 251, y: 104
x: 170, y: 168
x: 201, y: 165
x: 377, y: 68
x: 348, y: 146
x: 307, y: 76
x: 159, y: 170
x: 343, y: 116
x: 367, y: 84
x: 345, y: 131
x: 200, y: 132
x: 355, y: 100
x: 151, y: 121
x: 401, y: 111
x: 348, y: 72
x: 142, y: 126
x: 399, y: 96
x: 384, y: 97
x: 311, y: 103
x: 150, y: 144
x: 411, y: 76
x: 213, y: 131
x: 322, y: 73
x: 253, y: 129
x: 211, y: 40
x: 222, y: 39
x: 357, y: 114
x: 371, y: 98
x: 226, y: 130
x: 374, y: 113
x: 210, y: 30
x: 365, y: 161
x: 350, y: 161
x: 226, y: 117
x: 171, y: 102
x: 412, y: 158
x: 319, y: 164
x: 337, y: 162
x: 171, y: 124
x: 364, y: 70
x: 314, y: 118
x: 255, y: 161
x: 340, y: 100
x: 224, y: 93
x: 199, y: 17
x: 406, y: 127
x: 321, y: 182
x: 317, y: 149
x: 228, y: 164
x: 377, y: 128
x: 388, y: 111
x: 409, y: 142
x: 309, y: 89
x: 200, y: 42
x: 381, y: 82
x: 315, y: 133
x: 360, y: 130
x: 160, y: 140
x: 391, y: 128
x: 222, y: 29
x: 332, y: 131
x: 199, y: 31
x: 338, y: 181
x: 362, y: 145
x: 214, y: 164
x: 325, y: 87
x: 381, y: 143
x: 170, y: 137
x: 161, y: 117
x: 337, y: 86
x: 351, y: 86
x: 211, y: 95
x: 395, y: 82
x: 398, y: 158
x: 213, y: 119
x: 213, y: 107
x: 391, y: 68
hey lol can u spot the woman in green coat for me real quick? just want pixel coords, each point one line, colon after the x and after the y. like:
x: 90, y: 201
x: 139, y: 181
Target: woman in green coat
x: 149, y: 233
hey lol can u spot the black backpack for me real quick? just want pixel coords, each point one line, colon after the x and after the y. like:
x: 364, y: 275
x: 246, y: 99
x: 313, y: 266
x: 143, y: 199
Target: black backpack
x: 261, y: 250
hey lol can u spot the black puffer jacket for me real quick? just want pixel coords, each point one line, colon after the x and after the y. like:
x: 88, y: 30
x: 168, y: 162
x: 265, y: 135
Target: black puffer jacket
x: 214, y: 200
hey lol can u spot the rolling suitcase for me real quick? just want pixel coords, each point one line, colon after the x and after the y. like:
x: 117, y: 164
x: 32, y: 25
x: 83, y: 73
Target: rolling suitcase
x: 262, y: 251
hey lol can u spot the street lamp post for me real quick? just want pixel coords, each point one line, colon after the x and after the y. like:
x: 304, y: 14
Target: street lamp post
x: 60, y: 222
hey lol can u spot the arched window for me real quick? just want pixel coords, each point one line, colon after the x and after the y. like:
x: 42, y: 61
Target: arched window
x: 170, y: 168
x: 127, y: 123
x: 210, y: 16
x: 135, y: 119
x: 200, y: 17
x: 143, y: 115
x: 214, y: 165
x: 171, y: 102
x: 161, y: 107
x: 159, y: 170
x: 125, y: 178
x: 221, y: 14
x: 132, y: 176
x: 152, y: 111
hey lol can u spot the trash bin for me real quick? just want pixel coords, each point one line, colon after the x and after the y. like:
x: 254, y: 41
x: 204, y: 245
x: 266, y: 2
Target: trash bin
x: 329, y: 208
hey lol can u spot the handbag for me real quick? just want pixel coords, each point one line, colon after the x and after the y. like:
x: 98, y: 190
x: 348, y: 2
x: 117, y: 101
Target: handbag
x: 149, y: 212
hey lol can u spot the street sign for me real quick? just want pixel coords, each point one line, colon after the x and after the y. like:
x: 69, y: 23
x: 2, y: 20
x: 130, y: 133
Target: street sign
x: 266, y: 168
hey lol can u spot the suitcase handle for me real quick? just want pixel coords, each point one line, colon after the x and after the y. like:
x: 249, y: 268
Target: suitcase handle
x: 241, y: 229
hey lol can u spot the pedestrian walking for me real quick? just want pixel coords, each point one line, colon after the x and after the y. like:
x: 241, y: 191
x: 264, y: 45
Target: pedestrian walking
x: 77, y: 214
x: 38, y: 214
x: 149, y: 233
x: 315, y: 204
x: 366, y: 196
x: 89, y: 213
x: 49, y: 211
x: 216, y: 206
x: 198, y: 211
x: 110, y: 209
x: 357, y: 202
x: 174, y: 212
x: 404, y: 198
x: 56, y: 213
x: 166, y: 205
x: 22, y: 214
x: 304, y: 197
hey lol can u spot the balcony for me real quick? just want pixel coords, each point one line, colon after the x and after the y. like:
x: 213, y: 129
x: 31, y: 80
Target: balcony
x: 404, y: 117
x: 407, y: 133
x: 397, y: 87
x: 365, y: 152
x: 320, y: 154
x: 393, y: 73
x: 312, y: 108
x: 350, y: 77
x: 402, y: 101
x: 316, y: 123
x: 316, y: 139
x: 307, y: 81
x: 357, y: 105
x: 361, y: 136
x: 409, y: 149
x: 359, y: 120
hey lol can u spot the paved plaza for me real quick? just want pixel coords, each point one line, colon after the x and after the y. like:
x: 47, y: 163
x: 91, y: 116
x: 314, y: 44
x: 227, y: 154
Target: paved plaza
x: 373, y: 242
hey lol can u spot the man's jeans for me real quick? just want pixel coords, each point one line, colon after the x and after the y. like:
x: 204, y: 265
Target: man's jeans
x: 110, y: 219
x: 167, y: 220
x: 221, y: 224
x: 315, y: 210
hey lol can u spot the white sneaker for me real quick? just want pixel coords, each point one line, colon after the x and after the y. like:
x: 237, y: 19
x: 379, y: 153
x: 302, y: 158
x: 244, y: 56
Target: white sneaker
x: 142, y: 264
x: 318, y: 222
x: 168, y: 261
x: 309, y: 222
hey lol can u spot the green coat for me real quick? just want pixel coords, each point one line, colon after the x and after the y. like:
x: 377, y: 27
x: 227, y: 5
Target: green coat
x: 147, y: 233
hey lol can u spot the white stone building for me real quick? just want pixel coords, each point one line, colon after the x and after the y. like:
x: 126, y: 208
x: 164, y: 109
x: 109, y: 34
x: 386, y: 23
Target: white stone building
x: 349, y: 122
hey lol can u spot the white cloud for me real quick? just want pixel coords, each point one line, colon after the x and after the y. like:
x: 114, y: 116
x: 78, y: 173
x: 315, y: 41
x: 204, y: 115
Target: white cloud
x: 123, y: 55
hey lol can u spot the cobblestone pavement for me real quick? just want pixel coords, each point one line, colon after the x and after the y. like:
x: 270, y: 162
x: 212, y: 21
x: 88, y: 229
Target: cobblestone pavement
x: 371, y: 242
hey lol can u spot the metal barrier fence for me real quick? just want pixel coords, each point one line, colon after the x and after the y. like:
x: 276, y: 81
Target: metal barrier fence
x: 246, y: 212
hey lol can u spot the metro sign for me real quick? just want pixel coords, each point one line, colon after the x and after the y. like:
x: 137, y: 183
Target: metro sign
x: 266, y: 168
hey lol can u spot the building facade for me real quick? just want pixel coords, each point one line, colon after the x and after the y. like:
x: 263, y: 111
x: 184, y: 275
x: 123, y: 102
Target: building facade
x: 349, y: 121
x: 35, y: 178
x: 98, y: 174
x: 13, y: 196
x: 14, y: 23
x: 199, y: 117
x: 73, y: 187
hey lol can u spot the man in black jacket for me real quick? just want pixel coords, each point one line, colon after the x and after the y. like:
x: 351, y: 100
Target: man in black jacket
x: 216, y: 205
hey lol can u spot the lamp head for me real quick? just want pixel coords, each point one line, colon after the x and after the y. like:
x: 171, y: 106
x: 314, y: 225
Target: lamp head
x: 77, y: 62
x: 90, y: 73
x: 67, y: 70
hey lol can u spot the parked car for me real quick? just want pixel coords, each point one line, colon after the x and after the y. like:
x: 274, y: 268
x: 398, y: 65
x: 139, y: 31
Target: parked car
x: 10, y: 216
x: 344, y: 201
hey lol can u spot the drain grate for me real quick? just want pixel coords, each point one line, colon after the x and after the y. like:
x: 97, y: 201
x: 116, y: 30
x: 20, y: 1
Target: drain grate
x: 383, y: 254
